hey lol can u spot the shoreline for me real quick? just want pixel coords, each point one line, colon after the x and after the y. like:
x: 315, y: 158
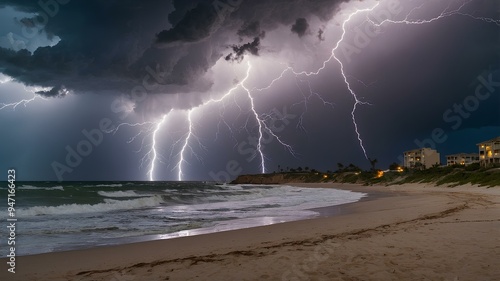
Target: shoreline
x: 284, y: 251
x: 223, y: 225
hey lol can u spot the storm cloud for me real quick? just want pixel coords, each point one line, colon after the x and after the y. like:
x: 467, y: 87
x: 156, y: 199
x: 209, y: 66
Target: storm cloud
x: 241, y: 50
x: 56, y: 92
x: 300, y: 27
x: 96, y: 54
x: 196, y: 24
x: 85, y: 55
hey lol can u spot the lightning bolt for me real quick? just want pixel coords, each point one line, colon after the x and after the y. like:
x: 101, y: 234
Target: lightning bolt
x: 332, y: 56
x: 357, y: 102
x: 305, y: 102
x: 152, y: 154
x: 445, y: 13
x: 190, y: 134
x: 24, y: 102
x: 260, y: 121
x: 150, y: 125
x: 185, y: 146
x: 262, y: 126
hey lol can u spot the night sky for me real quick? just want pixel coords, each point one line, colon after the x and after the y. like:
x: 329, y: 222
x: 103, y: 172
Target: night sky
x: 169, y: 90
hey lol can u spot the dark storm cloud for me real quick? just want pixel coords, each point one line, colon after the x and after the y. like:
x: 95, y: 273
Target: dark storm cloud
x: 300, y: 27
x: 321, y: 37
x: 197, y: 24
x: 98, y: 42
x: 252, y: 30
x: 240, y: 50
x: 107, y: 46
x: 56, y: 92
x: 181, y: 7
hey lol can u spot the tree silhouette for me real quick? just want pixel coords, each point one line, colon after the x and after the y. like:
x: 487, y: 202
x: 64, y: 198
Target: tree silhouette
x: 340, y: 166
x: 353, y: 168
x: 394, y: 166
x: 373, y: 162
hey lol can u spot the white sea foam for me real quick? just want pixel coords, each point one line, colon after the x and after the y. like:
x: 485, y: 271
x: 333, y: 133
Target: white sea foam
x: 110, y: 185
x: 285, y: 196
x: 109, y: 205
x: 31, y: 187
x: 122, y: 194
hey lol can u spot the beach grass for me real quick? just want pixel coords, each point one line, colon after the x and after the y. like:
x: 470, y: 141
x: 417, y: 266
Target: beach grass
x: 439, y: 175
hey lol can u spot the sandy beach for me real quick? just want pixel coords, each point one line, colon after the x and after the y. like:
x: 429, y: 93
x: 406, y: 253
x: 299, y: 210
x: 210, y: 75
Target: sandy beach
x: 408, y: 232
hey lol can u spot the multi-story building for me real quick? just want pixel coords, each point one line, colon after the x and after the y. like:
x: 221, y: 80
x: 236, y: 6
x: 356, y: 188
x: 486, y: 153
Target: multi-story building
x: 462, y: 159
x: 421, y: 158
x: 489, y: 152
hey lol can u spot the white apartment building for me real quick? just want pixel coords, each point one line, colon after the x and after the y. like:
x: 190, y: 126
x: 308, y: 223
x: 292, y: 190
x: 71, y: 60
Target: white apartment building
x: 489, y: 152
x: 462, y: 159
x: 422, y: 157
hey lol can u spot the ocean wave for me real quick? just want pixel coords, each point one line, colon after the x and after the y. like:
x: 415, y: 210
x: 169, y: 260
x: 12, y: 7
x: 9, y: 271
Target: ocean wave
x: 110, y: 185
x: 121, y: 194
x: 244, y: 193
x: 105, y: 185
x: 32, y: 187
x: 78, y: 230
x: 109, y: 205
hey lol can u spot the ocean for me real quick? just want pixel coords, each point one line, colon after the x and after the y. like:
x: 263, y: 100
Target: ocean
x: 55, y: 216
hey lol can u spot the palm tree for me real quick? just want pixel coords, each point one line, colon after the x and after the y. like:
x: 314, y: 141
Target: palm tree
x: 373, y: 162
x: 340, y: 166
